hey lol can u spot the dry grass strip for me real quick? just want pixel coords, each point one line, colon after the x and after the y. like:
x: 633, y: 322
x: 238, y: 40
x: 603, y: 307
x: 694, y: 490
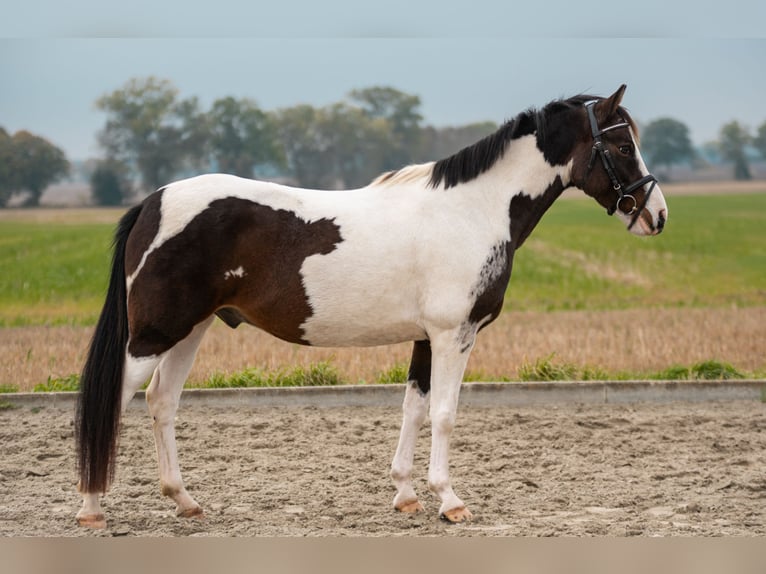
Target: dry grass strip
x: 632, y: 340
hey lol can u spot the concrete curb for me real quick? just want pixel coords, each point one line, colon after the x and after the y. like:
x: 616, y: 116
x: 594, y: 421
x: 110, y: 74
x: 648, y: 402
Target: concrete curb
x: 471, y: 395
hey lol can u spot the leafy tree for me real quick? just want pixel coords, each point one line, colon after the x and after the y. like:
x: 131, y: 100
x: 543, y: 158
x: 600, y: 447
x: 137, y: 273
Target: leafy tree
x: 242, y: 136
x: 337, y: 146
x: 759, y: 141
x: 108, y: 183
x: 402, y: 112
x: 356, y: 144
x: 733, y: 139
x: 149, y: 129
x: 305, y: 152
x: 666, y: 141
x: 28, y: 163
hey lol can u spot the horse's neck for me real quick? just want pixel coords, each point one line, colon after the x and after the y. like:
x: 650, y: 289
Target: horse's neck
x: 526, y: 185
x: 525, y: 212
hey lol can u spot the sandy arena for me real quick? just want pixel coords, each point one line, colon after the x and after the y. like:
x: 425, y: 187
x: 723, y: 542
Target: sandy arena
x: 636, y: 470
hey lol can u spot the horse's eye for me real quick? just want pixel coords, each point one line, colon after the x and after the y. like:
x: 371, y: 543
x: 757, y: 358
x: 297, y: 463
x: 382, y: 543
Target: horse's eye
x: 626, y: 149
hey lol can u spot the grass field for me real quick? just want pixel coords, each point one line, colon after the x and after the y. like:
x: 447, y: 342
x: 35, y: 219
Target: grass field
x: 583, y: 289
x: 713, y: 253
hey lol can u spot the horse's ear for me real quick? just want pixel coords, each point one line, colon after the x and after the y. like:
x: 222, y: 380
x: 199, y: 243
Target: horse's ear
x: 606, y: 108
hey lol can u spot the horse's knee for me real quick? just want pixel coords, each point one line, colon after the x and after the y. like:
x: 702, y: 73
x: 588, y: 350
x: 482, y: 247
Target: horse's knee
x: 443, y: 421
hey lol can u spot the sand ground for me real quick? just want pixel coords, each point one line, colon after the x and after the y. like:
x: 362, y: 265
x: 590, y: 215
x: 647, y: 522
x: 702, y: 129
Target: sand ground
x: 636, y: 470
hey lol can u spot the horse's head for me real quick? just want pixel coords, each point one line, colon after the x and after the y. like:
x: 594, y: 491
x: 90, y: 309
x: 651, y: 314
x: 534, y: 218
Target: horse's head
x: 609, y: 168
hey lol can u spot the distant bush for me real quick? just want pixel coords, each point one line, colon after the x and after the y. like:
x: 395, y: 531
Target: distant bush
x: 546, y: 369
x: 705, y: 370
x: 715, y: 370
x: 108, y: 185
x: 399, y: 373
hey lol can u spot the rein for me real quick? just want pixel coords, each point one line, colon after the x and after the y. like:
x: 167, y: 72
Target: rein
x: 625, y: 193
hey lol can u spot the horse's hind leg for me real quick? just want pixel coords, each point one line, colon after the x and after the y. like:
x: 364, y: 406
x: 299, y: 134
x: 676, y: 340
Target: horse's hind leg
x: 163, y: 396
x: 136, y: 372
x: 414, y: 410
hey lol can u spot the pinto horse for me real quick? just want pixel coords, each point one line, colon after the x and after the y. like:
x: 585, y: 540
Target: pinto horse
x: 421, y: 254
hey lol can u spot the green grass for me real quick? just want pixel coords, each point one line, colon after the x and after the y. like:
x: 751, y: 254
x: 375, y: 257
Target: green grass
x: 549, y: 369
x: 58, y: 384
x: 52, y: 273
x: 317, y: 374
x: 712, y: 253
x: 399, y: 373
x: 325, y: 373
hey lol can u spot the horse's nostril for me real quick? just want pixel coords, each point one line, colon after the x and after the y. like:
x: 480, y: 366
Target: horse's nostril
x: 661, y: 220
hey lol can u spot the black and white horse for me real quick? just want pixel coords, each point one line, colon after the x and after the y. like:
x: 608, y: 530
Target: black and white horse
x: 421, y: 254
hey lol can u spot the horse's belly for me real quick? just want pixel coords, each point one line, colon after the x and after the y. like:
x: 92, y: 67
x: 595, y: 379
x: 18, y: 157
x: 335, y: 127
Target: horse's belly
x: 373, y: 315
x: 348, y: 331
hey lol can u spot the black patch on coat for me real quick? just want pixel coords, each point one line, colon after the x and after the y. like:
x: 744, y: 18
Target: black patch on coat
x: 420, y: 366
x: 185, y: 280
x: 558, y: 130
x: 489, y: 291
x: 525, y: 213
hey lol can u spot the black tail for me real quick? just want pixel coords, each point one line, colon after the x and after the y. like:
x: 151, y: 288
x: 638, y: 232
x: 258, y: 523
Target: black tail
x: 98, y: 406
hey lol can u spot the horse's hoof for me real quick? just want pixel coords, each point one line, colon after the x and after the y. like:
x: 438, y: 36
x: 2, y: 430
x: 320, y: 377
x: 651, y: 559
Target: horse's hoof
x: 411, y: 507
x: 193, y: 512
x: 96, y: 521
x: 457, y: 515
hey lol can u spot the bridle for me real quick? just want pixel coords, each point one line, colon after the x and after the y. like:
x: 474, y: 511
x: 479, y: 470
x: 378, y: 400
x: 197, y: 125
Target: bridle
x: 625, y: 193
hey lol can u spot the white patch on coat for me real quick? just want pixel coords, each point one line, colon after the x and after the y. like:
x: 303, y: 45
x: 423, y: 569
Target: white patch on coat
x: 654, y: 206
x: 238, y: 272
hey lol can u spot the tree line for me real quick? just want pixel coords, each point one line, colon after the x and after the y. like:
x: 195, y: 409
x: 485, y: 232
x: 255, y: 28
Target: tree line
x: 152, y: 136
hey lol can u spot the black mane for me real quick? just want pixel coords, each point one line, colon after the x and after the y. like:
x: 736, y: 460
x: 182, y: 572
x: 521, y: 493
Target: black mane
x: 470, y: 162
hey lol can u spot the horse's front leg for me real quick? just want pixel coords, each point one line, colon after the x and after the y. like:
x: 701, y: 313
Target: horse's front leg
x: 450, y: 350
x: 415, y: 409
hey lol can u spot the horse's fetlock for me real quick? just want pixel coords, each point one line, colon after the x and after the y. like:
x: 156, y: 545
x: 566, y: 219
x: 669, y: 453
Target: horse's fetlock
x: 169, y: 490
x: 399, y: 474
x: 438, y: 485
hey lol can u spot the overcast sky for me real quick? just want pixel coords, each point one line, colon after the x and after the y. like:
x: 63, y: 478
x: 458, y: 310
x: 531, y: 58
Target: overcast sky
x: 488, y: 61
